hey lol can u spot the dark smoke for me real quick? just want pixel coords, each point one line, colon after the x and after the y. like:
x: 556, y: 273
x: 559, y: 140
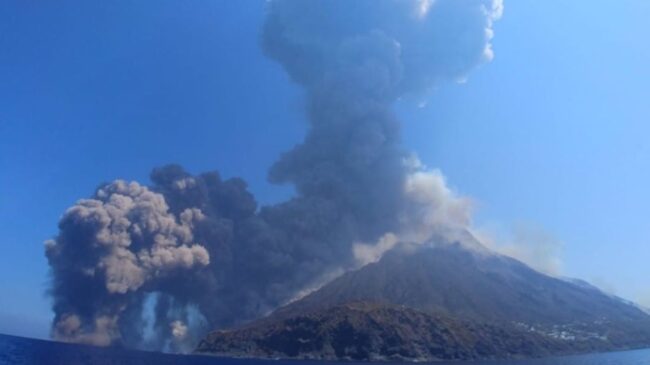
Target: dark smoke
x: 155, y: 267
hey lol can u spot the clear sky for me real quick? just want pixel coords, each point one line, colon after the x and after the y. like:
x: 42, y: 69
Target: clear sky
x: 552, y: 134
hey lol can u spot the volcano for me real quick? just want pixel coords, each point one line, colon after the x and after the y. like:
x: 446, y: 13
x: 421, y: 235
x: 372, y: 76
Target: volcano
x: 449, y: 299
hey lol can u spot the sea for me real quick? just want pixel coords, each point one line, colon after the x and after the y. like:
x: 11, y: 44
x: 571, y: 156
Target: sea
x: 23, y: 351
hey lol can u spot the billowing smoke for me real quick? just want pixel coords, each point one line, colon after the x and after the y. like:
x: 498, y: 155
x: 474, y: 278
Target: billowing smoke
x: 154, y: 267
x: 123, y: 240
x: 431, y: 208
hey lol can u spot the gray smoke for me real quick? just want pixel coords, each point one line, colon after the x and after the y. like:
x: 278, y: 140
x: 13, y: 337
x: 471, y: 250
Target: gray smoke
x: 123, y: 240
x: 155, y: 267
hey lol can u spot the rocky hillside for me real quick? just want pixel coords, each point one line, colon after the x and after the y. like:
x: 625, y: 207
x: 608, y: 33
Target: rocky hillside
x: 444, y: 301
x: 371, y: 331
x: 477, y: 284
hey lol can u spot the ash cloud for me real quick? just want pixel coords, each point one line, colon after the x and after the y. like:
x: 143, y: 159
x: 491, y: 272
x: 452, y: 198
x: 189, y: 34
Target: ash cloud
x: 432, y: 209
x: 123, y: 240
x: 200, y: 245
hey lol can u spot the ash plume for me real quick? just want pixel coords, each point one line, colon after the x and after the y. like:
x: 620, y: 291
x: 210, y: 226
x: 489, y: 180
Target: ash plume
x: 199, y: 246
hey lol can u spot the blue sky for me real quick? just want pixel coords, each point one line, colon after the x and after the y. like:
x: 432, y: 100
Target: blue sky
x: 552, y: 133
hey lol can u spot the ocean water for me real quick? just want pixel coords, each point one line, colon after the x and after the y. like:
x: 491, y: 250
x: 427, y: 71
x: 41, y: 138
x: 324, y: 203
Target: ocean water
x: 16, y: 350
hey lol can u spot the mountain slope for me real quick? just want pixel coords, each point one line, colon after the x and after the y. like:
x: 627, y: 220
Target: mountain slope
x: 475, y: 284
x: 373, y: 331
x: 468, y: 301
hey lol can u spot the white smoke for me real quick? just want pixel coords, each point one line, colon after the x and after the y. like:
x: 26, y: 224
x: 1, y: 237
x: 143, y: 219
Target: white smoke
x: 179, y: 330
x: 433, y: 209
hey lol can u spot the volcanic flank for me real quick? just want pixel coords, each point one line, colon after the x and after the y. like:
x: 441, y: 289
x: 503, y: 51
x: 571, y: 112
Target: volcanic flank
x: 443, y: 300
x: 157, y: 266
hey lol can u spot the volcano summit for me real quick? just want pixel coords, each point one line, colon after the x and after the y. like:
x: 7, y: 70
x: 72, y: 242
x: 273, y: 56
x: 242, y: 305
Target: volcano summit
x: 442, y: 300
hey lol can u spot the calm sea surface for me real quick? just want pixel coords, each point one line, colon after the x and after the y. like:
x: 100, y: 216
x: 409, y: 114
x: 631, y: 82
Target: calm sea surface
x: 14, y: 350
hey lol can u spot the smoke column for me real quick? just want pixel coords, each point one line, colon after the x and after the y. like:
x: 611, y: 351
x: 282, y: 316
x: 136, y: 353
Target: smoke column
x: 157, y: 266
